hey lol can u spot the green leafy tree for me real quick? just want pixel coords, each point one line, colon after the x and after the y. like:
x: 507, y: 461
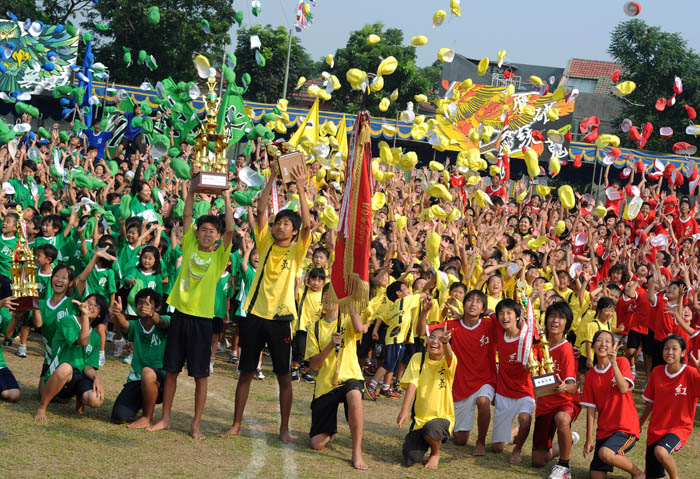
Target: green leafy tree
x: 408, y: 79
x: 268, y: 81
x: 651, y: 59
x: 174, y: 41
x: 53, y: 12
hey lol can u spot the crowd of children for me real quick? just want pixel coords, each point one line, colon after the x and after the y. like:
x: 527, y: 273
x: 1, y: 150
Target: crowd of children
x: 173, y: 282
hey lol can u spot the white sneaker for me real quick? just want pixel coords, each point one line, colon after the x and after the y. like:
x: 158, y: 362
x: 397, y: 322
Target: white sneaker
x: 575, y: 438
x: 560, y: 472
x: 119, y: 347
x: 102, y: 359
x: 211, y: 367
x: 21, y: 351
x: 110, y: 336
x: 128, y: 359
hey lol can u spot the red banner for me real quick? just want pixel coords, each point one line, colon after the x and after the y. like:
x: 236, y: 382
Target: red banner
x: 350, y: 268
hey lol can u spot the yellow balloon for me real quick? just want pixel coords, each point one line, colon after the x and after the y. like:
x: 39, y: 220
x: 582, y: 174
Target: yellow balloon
x: 384, y: 104
x: 438, y: 18
x: 483, y: 66
x: 419, y: 41
x: 531, y: 161
x: 560, y: 227
x: 372, y: 39
x: 566, y: 196
x: 387, y: 66
x: 420, y: 98
x: 435, y: 166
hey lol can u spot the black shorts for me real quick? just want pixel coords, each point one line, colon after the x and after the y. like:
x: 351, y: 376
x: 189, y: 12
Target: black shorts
x: 5, y: 287
x: 654, y: 469
x: 619, y: 442
x: 44, y: 369
x: 582, y: 368
x: 130, y: 400
x: 299, y: 347
x: 7, y: 380
x: 648, y: 343
x: 77, y: 385
x: 189, y: 340
x: 634, y: 339
x: 415, y: 445
x: 255, y: 332
x: 324, y: 409
x: 656, y: 351
x: 217, y: 325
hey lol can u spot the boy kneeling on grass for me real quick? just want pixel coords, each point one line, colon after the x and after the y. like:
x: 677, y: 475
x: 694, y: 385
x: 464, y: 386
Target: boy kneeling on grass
x: 332, y: 346
x: 428, y: 383
x: 75, y: 359
x: 144, y: 385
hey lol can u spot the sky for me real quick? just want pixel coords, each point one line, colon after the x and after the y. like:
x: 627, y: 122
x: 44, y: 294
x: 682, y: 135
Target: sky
x: 542, y: 33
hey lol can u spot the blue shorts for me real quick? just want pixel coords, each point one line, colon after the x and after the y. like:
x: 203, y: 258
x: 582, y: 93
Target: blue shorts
x: 394, y: 353
x: 619, y: 442
x: 654, y: 469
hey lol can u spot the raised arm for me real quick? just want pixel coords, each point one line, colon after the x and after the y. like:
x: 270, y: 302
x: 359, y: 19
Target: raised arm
x: 299, y: 175
x: 261, y: 213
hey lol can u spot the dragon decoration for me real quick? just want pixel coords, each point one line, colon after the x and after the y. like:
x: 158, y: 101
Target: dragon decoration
x: 35, y: 57
x: 494, y: 119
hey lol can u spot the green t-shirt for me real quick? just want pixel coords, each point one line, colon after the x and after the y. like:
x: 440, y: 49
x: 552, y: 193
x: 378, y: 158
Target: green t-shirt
x: 43, y: 281
x: 57, y: 241
x: 5, y: 317
x: 64, y: 347
x: 223, y: 293
x: 170, y: 259
x: 199, y: 274
x: 101, y: 281
x: 92, y: 350
x: 73, y: 252
x: 7, y: 247
x: 244, y: 288
x: 127, y: 259
x: 147, y: 280
x: 23, y: 193
x: 51, y: 317
x: 149, y: 348
x: 138, y: 208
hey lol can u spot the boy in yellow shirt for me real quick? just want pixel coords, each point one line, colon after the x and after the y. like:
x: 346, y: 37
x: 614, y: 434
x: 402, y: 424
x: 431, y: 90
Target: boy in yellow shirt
x: 192, y: 296
x: 309, y: 310
x: 270, y: 303
x: 331, y: 349
x: 428, y: 379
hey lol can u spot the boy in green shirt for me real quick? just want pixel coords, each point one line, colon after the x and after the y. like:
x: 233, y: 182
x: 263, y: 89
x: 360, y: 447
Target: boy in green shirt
x: 8, y: 243
x: 144, y: 386
x: 190, y: 331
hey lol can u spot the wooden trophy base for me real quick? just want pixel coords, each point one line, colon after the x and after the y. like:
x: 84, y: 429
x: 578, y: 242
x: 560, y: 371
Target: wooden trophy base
x: 210, y: 182
x: 27, y: 303
x: 545, y: 384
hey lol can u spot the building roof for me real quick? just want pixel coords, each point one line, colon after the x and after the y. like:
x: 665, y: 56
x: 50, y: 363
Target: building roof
x: 580, y: 68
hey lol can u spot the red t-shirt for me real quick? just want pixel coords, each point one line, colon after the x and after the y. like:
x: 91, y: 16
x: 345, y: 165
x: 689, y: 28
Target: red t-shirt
x: 513, y: 380
x: 476, y: 360
x: 684, y: 228
x: 565, y: 366
x: 625, y: 309
x: 662, y: 323
x: 616, y: 411
x: 500, y: 192
x: 674, y: 398
x: 642, y: 315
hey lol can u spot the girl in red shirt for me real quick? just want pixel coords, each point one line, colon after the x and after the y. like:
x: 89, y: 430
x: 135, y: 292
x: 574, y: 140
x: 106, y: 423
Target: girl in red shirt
x: 671, y: 395
x: 608, y: 390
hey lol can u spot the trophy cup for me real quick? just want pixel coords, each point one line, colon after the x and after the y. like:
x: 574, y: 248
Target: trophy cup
x: 23, y: 271
x: 210, y: 149
x: 287, y: 158
x: 544, y: 380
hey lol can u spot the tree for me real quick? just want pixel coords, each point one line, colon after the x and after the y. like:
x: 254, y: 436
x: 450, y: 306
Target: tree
x: 408, y: 79
x: 52, y: 12
x: 174, y: 41
x: 267, y: 81
x: 651, y: 59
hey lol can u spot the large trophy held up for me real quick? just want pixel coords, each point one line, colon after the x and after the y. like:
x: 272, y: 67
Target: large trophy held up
x: 210, y: 150
x: 23, y: 271
x: 544, y: 379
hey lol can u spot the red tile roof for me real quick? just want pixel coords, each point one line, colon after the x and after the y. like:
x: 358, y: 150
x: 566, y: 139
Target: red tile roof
x: 580, y: 68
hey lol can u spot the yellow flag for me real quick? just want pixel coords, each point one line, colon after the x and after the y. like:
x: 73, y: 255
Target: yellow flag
x: 313, y: 134
x: 342, y: 138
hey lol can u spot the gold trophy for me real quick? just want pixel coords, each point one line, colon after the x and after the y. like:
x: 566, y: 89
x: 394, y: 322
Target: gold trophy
x: 544, y: 380
x: 210, y: 149
x: 287, y: 158
x: 23, y: 271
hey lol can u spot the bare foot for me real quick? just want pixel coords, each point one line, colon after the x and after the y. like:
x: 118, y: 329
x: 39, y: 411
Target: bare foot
x: 40, y: 415
x: 285, y: 437
x: 358, y: 463
x: 141, y: 423
x: 195, y: 433
x: 234, y: 430
x: 433, y: 462
x: 515, y: 457
x: 79, y: 406
x: 159, y: 426
x: 479, y: 450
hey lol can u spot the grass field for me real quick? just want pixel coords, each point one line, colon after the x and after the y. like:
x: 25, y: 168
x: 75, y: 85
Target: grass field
x: 90, y: 446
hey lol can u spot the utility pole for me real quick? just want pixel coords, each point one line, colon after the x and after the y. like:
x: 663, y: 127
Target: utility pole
x: 286, y: 70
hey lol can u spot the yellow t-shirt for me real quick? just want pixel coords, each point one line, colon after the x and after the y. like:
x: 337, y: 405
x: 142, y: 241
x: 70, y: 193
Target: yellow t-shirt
x: 193, y: 291
x: 309, y: 311
x: 433, y: 389
x: 589, y: 330
x: 349, y: 366
x: 400, y: 319
x: 271, y: 295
